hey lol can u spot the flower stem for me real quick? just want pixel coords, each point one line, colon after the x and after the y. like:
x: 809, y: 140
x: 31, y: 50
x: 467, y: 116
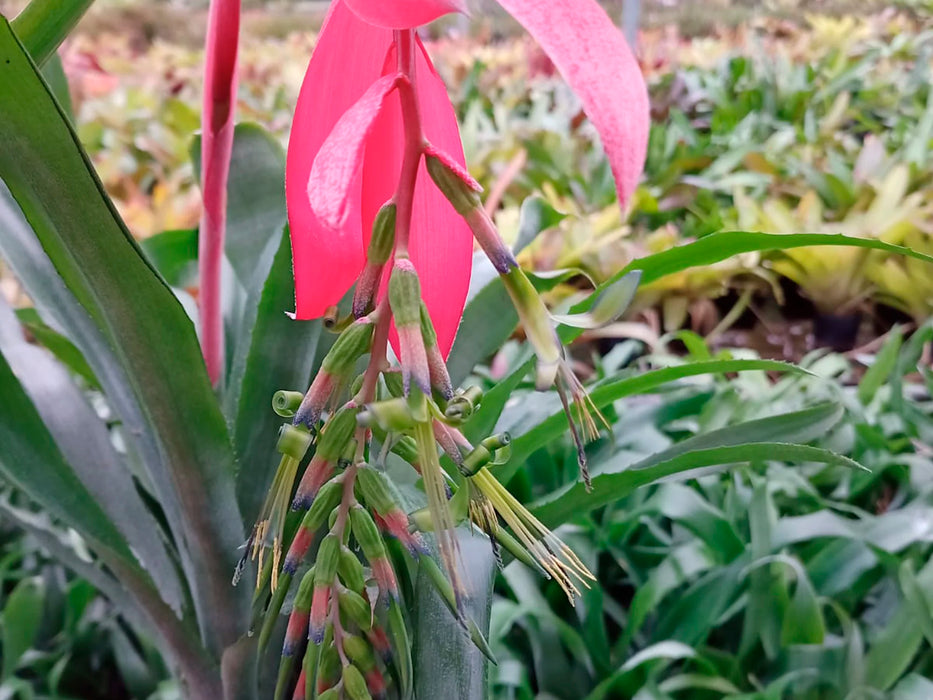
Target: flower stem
x: 220, y: 90
x: 414, y: 138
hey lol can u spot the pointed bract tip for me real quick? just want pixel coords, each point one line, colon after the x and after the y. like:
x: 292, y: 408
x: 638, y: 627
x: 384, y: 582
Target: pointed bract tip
x: 404, y: 14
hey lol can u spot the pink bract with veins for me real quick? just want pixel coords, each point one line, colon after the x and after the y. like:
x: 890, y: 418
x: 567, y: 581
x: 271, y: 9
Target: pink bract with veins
x: 349, y: 114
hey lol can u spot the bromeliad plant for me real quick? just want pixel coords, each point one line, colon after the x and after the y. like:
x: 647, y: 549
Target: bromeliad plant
x: 114, y: 426
x: 379, y: 195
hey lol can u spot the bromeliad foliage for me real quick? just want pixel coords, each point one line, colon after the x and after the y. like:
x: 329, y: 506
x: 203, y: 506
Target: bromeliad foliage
x: 115, y: 430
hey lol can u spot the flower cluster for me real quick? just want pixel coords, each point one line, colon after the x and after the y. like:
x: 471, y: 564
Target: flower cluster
x: 380, y: 200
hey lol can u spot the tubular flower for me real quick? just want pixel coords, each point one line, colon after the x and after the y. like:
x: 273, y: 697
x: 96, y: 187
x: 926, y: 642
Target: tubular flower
x: 379, y: 195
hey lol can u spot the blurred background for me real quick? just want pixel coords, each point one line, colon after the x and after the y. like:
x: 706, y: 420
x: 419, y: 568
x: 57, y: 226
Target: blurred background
x: 782, y: 116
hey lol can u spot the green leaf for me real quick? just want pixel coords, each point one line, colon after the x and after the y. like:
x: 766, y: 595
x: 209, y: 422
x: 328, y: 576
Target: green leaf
x: 895, y: 646
x: 138, y: 317
x: 913, y: 687
x: 725, y: 244
x: 69, y: 550
x: 22, y: 618
x: 175, y: 255
x: 30, y: 461
x: 54, y: 73
x: 44, y: 24
x: 669, y: 650
x: 536, y: 216
x: 916, y: 599
x: 447, y: 664
x: 610, y: 303
x: 57, y: 344
x: 749, y: 441
x: 879, y: 371
x: 555, y: 425
x: 488, y: 320
x: 803, y: 617
x: 280, y: 354
x: 87, y: 447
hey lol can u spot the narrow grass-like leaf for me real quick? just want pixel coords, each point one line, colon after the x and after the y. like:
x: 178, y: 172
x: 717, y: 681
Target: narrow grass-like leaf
x: 880, y: 370
x: 555, y: 425
x: 750, y: 441
x: 726, y: 244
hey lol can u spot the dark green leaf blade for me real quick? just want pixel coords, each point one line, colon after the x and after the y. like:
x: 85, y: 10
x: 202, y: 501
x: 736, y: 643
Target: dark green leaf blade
x: 54, y: 185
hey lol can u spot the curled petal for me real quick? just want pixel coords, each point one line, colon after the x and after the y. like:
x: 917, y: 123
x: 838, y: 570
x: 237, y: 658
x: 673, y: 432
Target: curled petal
x: 338, y: 162
x: 347, y: 60
x: 594, y: 58
x: 404, y: 14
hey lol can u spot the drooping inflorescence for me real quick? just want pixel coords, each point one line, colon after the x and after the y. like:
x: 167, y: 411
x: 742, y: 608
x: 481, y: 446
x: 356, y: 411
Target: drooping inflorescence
x: 379, y: 197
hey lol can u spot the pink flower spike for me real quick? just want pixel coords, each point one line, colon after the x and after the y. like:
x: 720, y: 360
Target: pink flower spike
x: 219, y: 102
x: 404, y: 14
x: 348, y: 59
x: 594, y: 58
x: 338, y: 163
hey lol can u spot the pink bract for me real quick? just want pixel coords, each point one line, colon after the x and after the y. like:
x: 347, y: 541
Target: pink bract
x: 403, y: 14
x: 352, y: 55
x: 595, y: 60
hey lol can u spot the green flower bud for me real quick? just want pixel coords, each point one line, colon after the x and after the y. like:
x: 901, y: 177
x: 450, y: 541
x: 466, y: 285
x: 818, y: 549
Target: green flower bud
x: 336, y: 433
x: 355, y: 607
x: 427, y: 328
x: 325, y: 502
x: 354, y: 685
x: 462, y: 196
x: 366, y: 533
x: 329, y: 667
x: 359, y: 652
x: 375, y: 490
x: 294, y: 441
x: 394, y: 383
x: 351, y: 345
x: 305, y: 591
x: 383, y: 238
x: 406, y: 448
x: 393, y: 415
x: 328, y: 557
x: 350, y: 570
x: 329, y: 694
x: 405, y: 294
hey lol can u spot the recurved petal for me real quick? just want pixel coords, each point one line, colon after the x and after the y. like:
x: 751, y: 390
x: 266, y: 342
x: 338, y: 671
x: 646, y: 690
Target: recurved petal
x: 347, y: 60
x: 594, y: 58
x: 441, y: 244
x: 337, y: 165
x: 404, y: 14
